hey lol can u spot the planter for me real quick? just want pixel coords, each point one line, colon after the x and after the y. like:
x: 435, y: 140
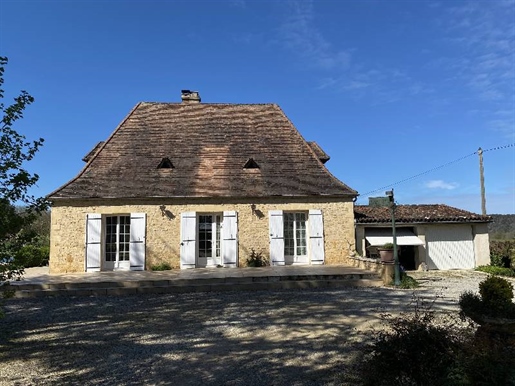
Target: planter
x: 386, y: 255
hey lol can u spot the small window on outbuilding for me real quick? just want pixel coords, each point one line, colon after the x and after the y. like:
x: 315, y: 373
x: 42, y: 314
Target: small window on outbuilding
x: 251, y: 164
x: 165, y: 164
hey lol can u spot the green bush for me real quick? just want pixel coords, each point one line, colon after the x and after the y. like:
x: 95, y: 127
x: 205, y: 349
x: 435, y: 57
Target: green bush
x: 496, y: 291
x: 161, y: 267
x: 494, y: 300
x: 413, y: 349
x: 502, y: 253
x: 32, y: 256
x: 407, y: 282
x: 256, y: 259
x: 493, y: 270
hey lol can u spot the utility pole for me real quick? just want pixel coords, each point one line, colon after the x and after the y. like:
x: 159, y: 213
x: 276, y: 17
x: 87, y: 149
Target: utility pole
x: 397, y: 271
x: 482, y: 181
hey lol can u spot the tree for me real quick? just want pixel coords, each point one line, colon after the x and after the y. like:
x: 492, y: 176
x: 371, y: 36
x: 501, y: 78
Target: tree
x: 15, y: 180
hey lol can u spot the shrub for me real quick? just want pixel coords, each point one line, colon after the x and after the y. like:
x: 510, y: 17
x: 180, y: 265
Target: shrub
x: 413, y: 350
x: 499, y: 260
x: 32, y: 256
x: 494, y: 270
x: 487, y: 361
x: 494, y: 300
x: 496, y: 291
x: 256, y: 259
x: 161, y: 267
x: 502, y: 253
x: 407, y: 282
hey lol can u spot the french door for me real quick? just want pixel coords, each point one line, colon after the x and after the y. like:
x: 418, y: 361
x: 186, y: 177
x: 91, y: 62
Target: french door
x: 209, y: 243
x: 295, y: 238
x: 117, y: 243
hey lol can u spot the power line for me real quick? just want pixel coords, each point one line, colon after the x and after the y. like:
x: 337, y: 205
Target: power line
x: 500, y: 147
x: 435, y: 168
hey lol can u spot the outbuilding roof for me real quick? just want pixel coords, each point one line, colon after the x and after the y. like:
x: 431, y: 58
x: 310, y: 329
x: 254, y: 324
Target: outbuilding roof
x: 365, y: 214
x: 208, y: 147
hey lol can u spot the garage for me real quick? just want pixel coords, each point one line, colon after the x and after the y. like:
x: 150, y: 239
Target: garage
x: 440, y: 236
x: 450, y: 247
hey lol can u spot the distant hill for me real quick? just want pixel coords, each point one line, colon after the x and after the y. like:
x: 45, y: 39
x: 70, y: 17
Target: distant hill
x: 502, y: 227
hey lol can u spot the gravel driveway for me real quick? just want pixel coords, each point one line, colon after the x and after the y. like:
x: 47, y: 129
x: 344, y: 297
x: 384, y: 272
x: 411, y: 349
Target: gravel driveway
x: 301, y: 337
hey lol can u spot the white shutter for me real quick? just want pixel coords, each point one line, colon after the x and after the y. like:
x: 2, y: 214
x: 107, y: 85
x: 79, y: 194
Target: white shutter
x: 188, y: 239
x: 137, y: 241
x: 316, y: 236
x: 230, y: 239
x: 276, y: 237
x: 93, y: 241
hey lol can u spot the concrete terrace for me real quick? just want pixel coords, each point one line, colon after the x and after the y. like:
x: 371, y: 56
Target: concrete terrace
x: 38, y: 282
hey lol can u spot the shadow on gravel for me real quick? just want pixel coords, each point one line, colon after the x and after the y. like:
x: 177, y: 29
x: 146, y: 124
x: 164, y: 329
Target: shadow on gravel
x: 246, y: 338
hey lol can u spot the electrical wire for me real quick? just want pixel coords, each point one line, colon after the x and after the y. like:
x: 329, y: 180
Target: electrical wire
x: 435, y: 168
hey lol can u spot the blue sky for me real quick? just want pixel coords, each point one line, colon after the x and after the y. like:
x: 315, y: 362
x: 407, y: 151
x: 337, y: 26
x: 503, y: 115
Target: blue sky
x: 389, y: 89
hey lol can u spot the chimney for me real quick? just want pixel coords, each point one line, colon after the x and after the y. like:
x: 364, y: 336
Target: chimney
x: 190, y: 97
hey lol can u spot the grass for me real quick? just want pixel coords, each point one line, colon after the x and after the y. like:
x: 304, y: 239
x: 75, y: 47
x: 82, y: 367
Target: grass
x: 161, y: 267
x: 493, y: 270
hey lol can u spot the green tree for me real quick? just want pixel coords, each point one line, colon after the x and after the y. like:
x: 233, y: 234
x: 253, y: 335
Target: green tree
x: 15, y: 180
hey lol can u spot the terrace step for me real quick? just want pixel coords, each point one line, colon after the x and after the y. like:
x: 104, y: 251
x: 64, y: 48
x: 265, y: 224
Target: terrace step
x: 110, y: 288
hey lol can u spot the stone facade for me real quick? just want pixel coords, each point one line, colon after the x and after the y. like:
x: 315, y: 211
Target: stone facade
x: 68, y: 226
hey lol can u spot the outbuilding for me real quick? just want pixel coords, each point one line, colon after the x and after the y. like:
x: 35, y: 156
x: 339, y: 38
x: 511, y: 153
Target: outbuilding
x: 441, y: 236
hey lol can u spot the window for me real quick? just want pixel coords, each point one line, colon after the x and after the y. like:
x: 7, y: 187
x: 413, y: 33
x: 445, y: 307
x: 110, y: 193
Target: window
x: 295, y: 242
x: 117, y: 238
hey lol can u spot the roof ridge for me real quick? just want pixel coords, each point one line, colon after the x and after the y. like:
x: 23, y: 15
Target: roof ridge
x: 207, y: 104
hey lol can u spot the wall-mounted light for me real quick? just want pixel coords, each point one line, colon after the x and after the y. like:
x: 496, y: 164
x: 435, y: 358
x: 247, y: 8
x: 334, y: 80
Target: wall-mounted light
x: 166, y: 213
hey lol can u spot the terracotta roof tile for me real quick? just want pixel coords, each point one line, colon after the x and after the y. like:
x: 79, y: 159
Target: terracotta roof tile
x: 416, y: 214
x: 208, y: 145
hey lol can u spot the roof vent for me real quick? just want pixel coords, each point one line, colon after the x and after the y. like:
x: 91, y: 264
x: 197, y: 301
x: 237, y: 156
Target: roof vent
x: 251, y: 164
x: 188, y: 96
x: 165, y: 164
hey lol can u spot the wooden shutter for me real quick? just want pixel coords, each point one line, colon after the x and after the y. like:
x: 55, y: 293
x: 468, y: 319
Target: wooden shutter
x: 188, y: 239
x: 316, y: 236
x: 137, y: 241
x: 276, y: 237
x: 230, y: 239
x: 93, y: 241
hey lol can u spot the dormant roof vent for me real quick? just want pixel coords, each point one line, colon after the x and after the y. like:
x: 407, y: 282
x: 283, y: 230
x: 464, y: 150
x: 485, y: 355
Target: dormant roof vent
x: 165, y: 164
x: 251, y: 164
x: 188, y: 96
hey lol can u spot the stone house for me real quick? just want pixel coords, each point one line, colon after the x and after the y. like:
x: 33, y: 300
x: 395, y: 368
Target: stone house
x: 441, y: 236
x: 197, y: 184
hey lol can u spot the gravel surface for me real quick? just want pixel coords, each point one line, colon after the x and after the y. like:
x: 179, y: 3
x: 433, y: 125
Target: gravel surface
x: 302, y: 337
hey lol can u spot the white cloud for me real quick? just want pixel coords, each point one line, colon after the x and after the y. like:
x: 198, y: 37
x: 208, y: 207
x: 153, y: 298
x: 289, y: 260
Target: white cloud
x: 299, y: 33
x: 441, y: 184
x: 482, y: 39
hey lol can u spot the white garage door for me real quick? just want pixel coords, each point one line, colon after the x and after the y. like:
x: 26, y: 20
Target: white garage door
x: 450, y: 247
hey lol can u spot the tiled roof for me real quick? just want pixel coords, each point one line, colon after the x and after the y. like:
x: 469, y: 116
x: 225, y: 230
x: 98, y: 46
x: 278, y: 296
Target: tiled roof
x: 415, y: 214
x: 322, y: 155
x: 208, y: 145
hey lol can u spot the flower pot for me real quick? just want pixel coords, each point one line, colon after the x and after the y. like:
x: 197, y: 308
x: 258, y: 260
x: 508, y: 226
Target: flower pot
x: 386, y: 255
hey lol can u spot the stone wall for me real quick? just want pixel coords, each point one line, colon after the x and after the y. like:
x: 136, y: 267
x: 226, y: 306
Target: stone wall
x: 68, y: 226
